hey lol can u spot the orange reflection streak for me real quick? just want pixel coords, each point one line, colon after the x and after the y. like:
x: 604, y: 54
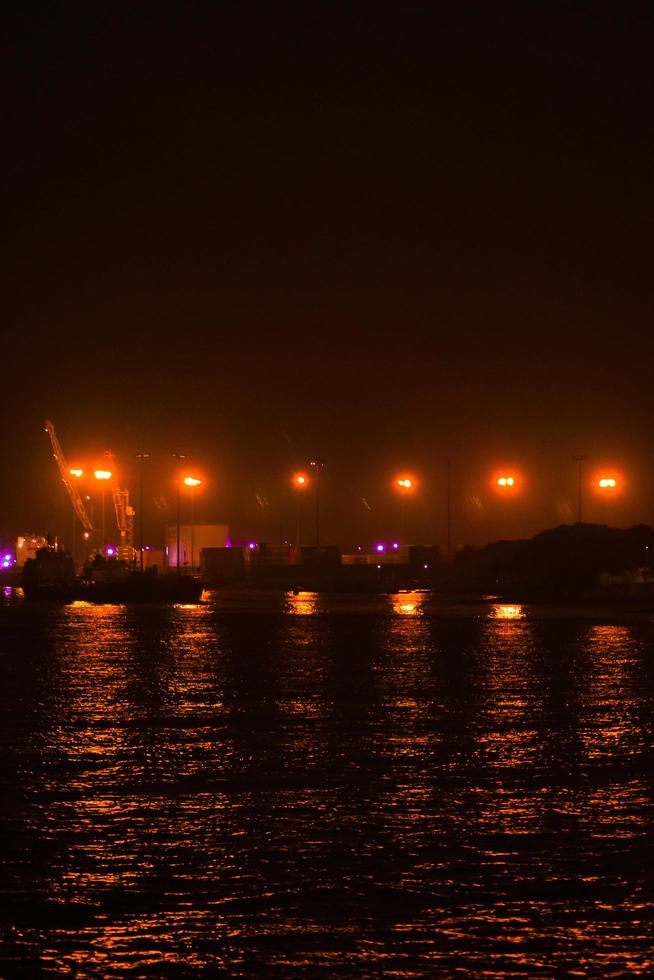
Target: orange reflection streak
x: 401, y: 690
x: 508, y: 736
x: 407, y: 603
x: 301, y: 604
x: 108, y: 727
x: 502, y: 611
x: 608, y: 707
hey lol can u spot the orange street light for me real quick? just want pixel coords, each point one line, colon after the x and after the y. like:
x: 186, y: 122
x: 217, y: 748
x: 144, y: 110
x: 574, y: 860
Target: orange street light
x: 76, y: 472
x: 506, y: 481
x: 607, y: 482
x: 191, y: 481
x: 102, y: 474
x: 405, y: 483
x: 300, y: 481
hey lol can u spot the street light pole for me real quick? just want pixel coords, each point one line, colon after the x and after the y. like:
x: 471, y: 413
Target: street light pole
x: 76, y: 473
x: 141, y: 457
x: 179, y: 457
x: 405, y: 486
x: 317, y: 465
x: 300, y: 483
x: 192, y: 482
x: 606, y: 485
x: 449, y: 507
x: 103, y: 475
x: 506, y: 485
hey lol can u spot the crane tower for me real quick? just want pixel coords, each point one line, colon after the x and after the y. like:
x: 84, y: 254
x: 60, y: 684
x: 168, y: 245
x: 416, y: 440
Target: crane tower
x: 124, y: 511
x: 124, y: 515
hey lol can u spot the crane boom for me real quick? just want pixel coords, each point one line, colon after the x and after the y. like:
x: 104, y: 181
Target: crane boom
x: 71, y: 489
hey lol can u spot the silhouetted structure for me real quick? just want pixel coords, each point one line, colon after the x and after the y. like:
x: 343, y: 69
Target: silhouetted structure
x: 567, y: 560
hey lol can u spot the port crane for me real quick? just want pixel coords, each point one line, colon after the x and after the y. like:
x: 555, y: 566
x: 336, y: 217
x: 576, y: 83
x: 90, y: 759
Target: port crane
x: 71, y: 489
x: 124, y: 511
x: 124, y: 515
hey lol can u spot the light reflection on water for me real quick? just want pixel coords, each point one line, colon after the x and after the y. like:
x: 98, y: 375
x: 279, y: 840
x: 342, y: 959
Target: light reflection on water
x: 334, y: 787
x: 502, y: 611
x: 408, y: 603
x: 301, y: 603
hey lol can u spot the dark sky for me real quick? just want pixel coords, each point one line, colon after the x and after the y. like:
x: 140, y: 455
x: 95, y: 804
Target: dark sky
x: 385, y: 235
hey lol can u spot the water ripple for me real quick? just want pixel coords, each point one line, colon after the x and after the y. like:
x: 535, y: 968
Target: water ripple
x: 325, y: 786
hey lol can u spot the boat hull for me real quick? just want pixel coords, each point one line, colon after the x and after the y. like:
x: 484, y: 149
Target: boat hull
x: 133, y: 590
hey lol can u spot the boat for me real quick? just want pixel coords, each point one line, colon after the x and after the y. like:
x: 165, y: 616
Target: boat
x: 51, y: 575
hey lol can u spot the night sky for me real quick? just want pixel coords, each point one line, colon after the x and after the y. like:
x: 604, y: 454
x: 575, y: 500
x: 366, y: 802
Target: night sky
x: 387, y: 236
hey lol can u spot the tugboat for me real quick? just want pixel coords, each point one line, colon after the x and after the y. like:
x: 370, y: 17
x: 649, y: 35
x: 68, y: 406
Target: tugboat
x: 51, y: 575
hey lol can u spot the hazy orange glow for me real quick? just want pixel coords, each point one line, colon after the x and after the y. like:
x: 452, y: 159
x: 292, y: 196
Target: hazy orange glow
x: 300, y: 480
x: 76, y: 472
x: 102, y: 474
x: 607, y: 481
x: 192, y: 481
x: 505, y: 481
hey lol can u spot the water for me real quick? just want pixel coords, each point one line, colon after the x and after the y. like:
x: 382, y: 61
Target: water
x: 303, y: 786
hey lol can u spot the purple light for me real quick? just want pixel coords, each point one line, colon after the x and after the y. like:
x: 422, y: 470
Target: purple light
x: 380, y: 547
x: 109, y: 551
x: 252, y: 545
x: 395, y: 545
x: 425, y: 566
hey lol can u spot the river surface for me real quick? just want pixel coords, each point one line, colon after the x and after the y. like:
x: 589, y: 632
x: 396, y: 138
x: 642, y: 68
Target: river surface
x: 292, y: 786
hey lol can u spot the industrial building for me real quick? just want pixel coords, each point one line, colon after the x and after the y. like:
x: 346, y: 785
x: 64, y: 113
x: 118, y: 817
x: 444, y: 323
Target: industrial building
x: 193, y: 538
x: 27, y: 545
